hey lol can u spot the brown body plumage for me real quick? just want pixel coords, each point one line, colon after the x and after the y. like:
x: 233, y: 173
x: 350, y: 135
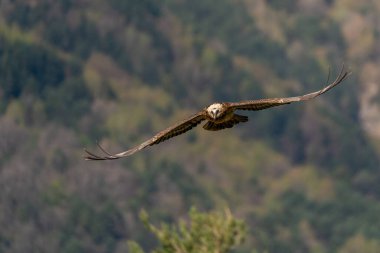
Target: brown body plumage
x: 218, y: 116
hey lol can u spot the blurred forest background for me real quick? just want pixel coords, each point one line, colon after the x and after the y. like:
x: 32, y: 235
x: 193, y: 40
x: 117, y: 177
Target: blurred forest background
x: 303, y: 177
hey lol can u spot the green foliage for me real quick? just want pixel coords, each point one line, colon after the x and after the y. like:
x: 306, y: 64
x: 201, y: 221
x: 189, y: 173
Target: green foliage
x: 250, y: 41
x: 359, y: 243
x: 79, y: 39
x: 349, y: 213
x: 204, y: 233
x: 27, y: 68
x: 103, y: 225
x: 282, y: 5
x: 27, y: 16
x: 134, y: 247
x: 138, y: 11
x: 304, y: 176
x: 312, y: 29
x: 72, y: 98
x: 177, y: 177
x: 55, y: 194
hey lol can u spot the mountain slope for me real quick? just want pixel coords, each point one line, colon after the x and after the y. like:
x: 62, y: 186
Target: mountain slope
x: 303, y: 176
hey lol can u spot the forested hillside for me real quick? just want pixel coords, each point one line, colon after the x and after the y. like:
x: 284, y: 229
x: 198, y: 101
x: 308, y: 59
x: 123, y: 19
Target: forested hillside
x: 304, y: 177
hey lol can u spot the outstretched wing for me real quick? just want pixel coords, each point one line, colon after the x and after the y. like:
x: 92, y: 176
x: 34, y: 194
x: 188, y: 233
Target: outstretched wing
x: 261, y: 104
x: 168, y: 133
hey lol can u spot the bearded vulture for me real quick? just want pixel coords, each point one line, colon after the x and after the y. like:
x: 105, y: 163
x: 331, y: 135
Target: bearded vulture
x: 218, y: 116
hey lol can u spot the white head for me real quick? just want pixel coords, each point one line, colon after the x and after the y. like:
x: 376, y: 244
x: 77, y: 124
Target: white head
x: 215, y: 110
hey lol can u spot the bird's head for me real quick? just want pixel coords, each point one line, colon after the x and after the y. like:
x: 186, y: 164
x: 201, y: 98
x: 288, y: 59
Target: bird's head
x: 215, y: 110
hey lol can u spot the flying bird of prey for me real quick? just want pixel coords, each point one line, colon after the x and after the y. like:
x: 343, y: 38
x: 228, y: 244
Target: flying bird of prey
x: 219, y: 116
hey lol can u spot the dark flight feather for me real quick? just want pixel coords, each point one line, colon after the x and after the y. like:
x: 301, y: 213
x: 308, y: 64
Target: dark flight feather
x: 225, y: 120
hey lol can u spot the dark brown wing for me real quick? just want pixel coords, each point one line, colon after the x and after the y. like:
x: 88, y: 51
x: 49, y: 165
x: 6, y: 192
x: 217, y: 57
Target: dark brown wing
x: 168, y: 133
x: 262, y: 104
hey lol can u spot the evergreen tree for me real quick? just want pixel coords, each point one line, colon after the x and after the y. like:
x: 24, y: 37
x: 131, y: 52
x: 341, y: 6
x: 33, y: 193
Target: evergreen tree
x: 217, y: 232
